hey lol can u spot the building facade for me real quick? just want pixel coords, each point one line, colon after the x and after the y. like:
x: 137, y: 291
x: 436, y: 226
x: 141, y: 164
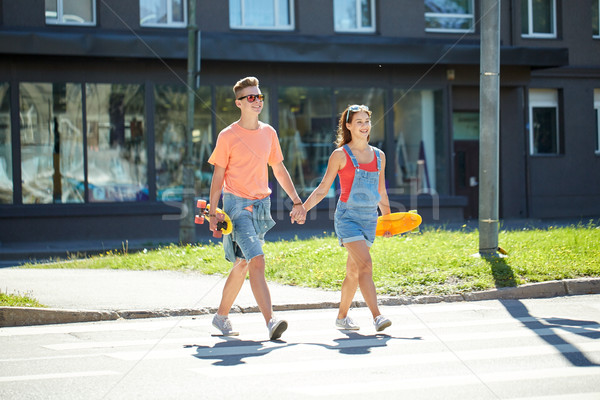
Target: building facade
x: 93, y: 105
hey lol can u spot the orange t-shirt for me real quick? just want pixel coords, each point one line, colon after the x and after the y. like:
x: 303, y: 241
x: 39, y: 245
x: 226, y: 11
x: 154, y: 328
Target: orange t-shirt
x: 347, y: 173
x: 245, y: 155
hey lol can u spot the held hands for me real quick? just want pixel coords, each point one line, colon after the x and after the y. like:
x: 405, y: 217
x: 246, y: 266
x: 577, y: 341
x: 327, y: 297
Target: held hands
x: 298, y: 214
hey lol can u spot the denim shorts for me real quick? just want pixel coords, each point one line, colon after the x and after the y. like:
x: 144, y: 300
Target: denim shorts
x: 355, y: 223
x: 248, y: 244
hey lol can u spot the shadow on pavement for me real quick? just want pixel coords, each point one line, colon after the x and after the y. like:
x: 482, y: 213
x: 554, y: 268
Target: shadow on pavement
x: 233, y: 351
x: 355, y: 343
x: 569, y: 351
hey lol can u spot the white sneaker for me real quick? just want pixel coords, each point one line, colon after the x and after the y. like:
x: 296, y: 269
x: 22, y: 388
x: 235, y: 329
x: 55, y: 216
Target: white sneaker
x: 223, y: 324
x: 276, y: 328
x: 381, y: 323
x: 346, y: 324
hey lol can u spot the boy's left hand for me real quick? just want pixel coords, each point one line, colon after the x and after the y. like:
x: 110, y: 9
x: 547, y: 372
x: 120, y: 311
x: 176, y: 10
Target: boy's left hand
x: 298, y: 214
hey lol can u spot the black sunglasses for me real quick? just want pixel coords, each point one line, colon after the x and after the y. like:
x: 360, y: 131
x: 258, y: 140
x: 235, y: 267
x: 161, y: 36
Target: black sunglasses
x: 252, y: 97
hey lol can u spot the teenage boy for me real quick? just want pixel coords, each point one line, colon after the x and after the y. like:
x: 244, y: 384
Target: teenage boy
x: 243, y: 151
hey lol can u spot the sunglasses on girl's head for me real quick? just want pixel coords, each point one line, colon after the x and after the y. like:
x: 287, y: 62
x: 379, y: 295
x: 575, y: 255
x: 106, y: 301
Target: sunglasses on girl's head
x: 355, y: 108
x: 252, y: 97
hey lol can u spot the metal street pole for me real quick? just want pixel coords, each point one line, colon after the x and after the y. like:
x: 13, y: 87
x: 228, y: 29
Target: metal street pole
x: 187, y: 228
x: 489, y: 122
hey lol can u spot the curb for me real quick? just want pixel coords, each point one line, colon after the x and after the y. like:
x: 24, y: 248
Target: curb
x: 27, y: 316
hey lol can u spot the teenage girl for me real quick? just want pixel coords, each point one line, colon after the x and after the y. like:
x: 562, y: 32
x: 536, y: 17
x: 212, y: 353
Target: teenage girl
x: 361, y: 170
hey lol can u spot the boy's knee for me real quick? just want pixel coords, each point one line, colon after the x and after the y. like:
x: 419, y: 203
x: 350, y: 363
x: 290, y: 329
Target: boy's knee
x: 257, y: 262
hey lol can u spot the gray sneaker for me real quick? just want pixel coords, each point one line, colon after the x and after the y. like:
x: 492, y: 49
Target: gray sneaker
x: 346, y: 324
x: 224, y: 325
x: 381, y: 323
x: 276, y: 328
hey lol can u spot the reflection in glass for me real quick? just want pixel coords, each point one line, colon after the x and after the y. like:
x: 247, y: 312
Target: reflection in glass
x: 163, y: 12
x: 541, y: 15
x: 116, y: 142
x: 6, y: 175
x: 449, y: 15
x: 545, y: 137
x: 170, y: 121
x: 353, y: 15
x: 260, y: 13
x: 81, y: 12
x: 51, y: 143
x: 419, y: 156
x: 306, y: 134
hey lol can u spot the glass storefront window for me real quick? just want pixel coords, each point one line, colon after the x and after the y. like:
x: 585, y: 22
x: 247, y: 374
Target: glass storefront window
x: 419, y: 153
x: 307, y: 135
x: 51, y: 143
x: 170, y: 121
x: 6, y: 175
x: 116, y: 143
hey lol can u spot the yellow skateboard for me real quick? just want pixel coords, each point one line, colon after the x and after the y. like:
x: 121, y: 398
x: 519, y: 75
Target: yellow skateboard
x: 397, y: 223
x: 224, y: 225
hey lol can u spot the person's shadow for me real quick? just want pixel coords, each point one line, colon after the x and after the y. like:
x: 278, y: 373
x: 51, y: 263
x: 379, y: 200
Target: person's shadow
x: 356, y: 343
x: 233, y: 351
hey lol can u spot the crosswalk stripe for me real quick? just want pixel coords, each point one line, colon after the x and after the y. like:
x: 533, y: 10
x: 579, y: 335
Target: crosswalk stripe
x: 63, y: 375
x: 574, y: 396
x: 469, y: 336
x: 401, y: 384
x: 263, y: 348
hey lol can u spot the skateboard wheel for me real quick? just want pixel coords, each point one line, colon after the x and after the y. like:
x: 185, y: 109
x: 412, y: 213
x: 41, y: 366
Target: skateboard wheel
x: 199, y: 219
x: 201, y: 204
x: 218, y: 234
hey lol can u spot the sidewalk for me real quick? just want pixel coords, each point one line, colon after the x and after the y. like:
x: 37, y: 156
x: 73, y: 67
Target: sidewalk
x: 76, y: 295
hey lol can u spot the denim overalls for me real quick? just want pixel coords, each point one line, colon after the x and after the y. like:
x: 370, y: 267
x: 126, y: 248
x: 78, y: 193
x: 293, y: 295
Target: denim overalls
x: 356, y: 219
x: 249, y: 227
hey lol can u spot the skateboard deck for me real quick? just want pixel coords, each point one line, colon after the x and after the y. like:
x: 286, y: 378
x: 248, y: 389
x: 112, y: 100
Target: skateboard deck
x: 224, y: 225
x: 397, y: 223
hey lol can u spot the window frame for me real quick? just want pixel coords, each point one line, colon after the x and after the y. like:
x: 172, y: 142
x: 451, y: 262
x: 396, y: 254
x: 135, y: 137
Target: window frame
x: 60, y: 15
x: 290, y: 27
x: 544, y: 98
x: 597, y: 112
x: 169, y: 23
x: 596, y: 34
x: 533, y: 35
x: 357, y: 29
x: 470, y: 16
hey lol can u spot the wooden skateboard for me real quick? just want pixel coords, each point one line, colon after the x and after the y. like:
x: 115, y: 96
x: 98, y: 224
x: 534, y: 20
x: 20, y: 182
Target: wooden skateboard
x: 398, y: 223
x: 224, y: 225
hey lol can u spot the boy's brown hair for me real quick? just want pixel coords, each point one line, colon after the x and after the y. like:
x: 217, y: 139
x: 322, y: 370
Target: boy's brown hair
x: 243, y: 84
